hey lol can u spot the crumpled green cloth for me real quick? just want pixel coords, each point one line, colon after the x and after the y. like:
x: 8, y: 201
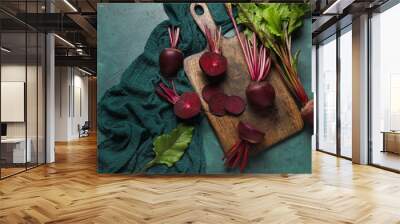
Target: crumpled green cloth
x: 131, y: 115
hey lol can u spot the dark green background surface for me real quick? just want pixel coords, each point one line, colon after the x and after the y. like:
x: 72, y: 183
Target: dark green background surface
x: 122, y: 33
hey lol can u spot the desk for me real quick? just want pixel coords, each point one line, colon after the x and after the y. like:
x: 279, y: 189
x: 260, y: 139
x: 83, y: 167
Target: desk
x: 16, y: 147
x: 391, y: 141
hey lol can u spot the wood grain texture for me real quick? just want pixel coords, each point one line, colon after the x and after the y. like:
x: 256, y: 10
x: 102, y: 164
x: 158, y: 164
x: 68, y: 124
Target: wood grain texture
x: 70, y: 191
x: 279, y: 122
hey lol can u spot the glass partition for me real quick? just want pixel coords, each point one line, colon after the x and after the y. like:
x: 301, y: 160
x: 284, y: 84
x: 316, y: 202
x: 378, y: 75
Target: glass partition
x: 327, y: 95
x: 22, y: 78
x: 346, y: 92
x: 385, y: 89
x: 14, y: 153
x: 31, y: 99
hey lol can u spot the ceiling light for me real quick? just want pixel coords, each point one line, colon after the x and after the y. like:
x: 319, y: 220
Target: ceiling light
x: 65, y: 41
x: 70, y: 5
x: 338, y: 6
x: 84, y: 71
x: 5, y: 50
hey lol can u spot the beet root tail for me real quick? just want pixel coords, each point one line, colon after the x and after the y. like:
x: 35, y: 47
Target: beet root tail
x: 238, y: 155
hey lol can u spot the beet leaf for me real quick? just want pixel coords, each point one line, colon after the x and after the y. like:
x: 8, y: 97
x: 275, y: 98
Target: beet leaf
x: 169, y: 148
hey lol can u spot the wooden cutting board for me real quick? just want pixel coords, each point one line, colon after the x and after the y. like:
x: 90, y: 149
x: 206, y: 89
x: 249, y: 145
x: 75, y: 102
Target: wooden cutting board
x: 279, y: 122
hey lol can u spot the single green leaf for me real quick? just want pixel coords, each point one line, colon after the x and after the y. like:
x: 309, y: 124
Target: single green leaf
x: 169, y: 148
x: 273, y: 20
x: 297, y: 12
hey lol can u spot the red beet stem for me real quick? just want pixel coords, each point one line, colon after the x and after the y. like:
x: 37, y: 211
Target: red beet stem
x: 258, y: 62
x: 229, y: 154
x: 245, y: 158
x: 228, y: 7
x: 173, y: 36
x: 233, y: 154
x: 168, y: 94
x: 238, y: 155
x: 213, y: 40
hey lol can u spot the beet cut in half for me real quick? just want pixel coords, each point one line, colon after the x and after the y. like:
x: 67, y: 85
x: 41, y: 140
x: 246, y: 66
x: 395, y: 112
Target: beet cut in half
x: 234, y: 105
x: 216, y: 104
x: 212, y: 62
x: 249, y: 133
x: 238, y: 155
x: 171, y: 59
x: 186, y: 106
x: 209, y: 91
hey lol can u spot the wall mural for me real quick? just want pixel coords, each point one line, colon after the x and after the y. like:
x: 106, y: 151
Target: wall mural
x: 199, y: 88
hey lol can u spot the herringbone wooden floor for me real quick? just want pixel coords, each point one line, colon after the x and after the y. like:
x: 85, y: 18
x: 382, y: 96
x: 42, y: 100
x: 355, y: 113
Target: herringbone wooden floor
x: 70, y: 191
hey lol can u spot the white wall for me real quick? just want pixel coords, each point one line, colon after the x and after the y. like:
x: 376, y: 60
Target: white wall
x: 61, y: 103
x: 70, y: 109
x: 17, y: 73
x: 33, y: 126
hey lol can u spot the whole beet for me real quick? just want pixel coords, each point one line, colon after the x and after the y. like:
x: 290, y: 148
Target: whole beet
x: 260, y: 94
x: 171, y: 60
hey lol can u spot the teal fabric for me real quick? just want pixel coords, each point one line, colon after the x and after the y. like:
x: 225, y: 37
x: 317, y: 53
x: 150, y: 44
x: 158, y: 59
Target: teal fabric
x: 131, y: 115
x: 121, y: 39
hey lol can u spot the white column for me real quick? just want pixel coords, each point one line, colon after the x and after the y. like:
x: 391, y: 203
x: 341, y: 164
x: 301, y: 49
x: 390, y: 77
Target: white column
x: 360, y: 90
x: 314, y: 91
x: 50, y: 100
x: 50, y: 93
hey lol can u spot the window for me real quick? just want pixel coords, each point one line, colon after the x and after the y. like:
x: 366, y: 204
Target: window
x: 346, y: 92
x: 327, y: 95
x: 385, y: 89
x: 22, y: 77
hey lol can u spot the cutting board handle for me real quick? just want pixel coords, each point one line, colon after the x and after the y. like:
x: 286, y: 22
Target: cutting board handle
x: 204, y: 19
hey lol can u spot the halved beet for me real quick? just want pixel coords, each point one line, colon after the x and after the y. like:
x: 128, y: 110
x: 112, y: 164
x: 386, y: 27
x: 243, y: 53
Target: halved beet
x: 209, y: 91
x: 213, y: 64
x: 187, y: 106
x: 260, y: 94
x: 171, y: 60
x: 216, y: 104
x: 249, y: 133
x: 234, y: 105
